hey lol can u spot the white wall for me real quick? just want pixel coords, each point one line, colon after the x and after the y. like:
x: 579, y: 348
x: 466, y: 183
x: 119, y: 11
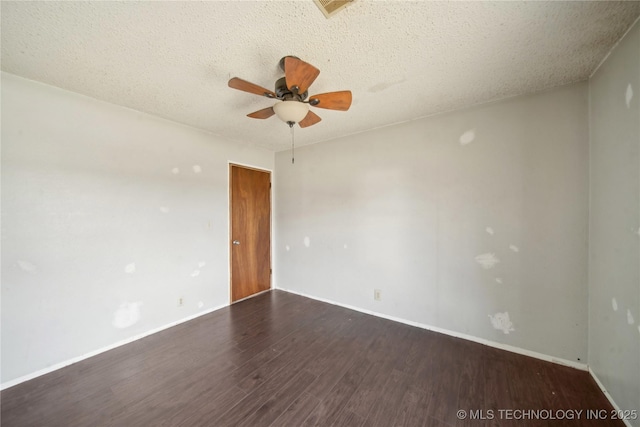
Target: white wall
x: 416, y: 209
x: 99, y: 236
x: 614, y: 263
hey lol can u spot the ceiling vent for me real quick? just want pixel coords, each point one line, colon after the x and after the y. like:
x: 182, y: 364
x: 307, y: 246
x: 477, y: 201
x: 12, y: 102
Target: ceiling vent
x: 331, y: 7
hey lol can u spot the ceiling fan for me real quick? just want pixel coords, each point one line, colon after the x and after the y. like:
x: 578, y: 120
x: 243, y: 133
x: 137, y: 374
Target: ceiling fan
x: 291, y: 91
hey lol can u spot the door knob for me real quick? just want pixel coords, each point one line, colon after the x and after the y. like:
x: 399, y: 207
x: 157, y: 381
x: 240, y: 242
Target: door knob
x: 236, y: 242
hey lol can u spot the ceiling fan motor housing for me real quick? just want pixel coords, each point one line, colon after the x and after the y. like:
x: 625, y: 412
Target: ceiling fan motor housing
x: 283, y: 92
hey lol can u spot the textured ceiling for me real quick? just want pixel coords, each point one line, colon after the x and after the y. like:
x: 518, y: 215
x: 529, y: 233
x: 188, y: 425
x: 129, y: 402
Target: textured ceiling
x: 402, y: 60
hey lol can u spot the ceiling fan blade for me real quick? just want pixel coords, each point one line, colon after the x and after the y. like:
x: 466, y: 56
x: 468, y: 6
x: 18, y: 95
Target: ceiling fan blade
x: 299, y: 74
x: 332, y: 100
x: 265, y: 113
x: 246, y: 86
x: 310, y: 119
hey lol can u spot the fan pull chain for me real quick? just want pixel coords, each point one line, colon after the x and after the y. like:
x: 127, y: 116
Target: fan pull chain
x: 292, y: 142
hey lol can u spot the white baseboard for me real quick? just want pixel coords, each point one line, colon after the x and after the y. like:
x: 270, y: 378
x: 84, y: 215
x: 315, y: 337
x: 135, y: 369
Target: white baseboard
x: 606, y: 393
x: 494, y: 344
x: 68, y: 362
x: 507, y: 347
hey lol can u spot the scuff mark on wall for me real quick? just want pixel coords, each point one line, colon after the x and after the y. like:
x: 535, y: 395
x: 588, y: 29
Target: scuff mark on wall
x: 628, y: 96
x: 164, y: 209
x: 201, y: 264
x: 614, y: 304
x: 514, y: 248
x: 130, y: 268
x: 197, y: 169
x: 630, y: 319
x: 307, y: 241
x: 499, y: 280
x: 128, y: 314
x: 487, y: 261
x: 502, y: 322
x: 195, y: 273
x: 200, y: 304
x: 26, y: 266
x: 489, y: 230
x: 287, y: 248
x: 345, y: 246
x: 468, y: 137
x: 175, y: 171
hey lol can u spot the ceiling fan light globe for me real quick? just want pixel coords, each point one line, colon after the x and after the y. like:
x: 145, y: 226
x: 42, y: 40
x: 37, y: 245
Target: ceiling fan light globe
x: 291, y: 111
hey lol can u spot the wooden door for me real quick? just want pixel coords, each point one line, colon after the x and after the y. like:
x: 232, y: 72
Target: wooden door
x: 250, y: 231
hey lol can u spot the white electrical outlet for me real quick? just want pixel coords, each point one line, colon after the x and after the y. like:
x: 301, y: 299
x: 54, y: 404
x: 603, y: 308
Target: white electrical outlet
x: 377, y: 294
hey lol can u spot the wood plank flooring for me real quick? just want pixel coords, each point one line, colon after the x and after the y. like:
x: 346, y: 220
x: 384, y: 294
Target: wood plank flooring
x: 283, y: 360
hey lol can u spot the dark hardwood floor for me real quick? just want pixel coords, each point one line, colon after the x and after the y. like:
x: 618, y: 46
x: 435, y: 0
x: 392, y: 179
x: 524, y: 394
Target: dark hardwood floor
x: 283, y: 360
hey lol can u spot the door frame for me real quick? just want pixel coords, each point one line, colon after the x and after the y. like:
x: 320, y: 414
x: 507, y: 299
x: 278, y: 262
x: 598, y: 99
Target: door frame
x: 231, y: 163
